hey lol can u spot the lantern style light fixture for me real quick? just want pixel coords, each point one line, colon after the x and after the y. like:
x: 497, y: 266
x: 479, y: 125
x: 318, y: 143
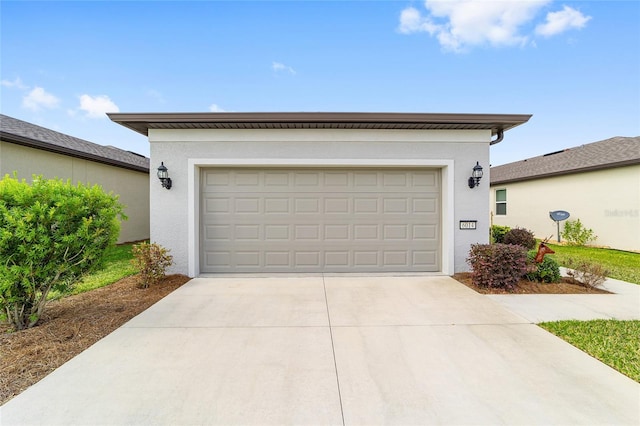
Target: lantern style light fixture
x: 163, y: 175
x: 476, y: 175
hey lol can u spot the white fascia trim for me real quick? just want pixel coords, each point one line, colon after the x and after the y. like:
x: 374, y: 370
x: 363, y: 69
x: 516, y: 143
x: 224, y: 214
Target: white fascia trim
x: 278, y: 162
x: 193, y: 199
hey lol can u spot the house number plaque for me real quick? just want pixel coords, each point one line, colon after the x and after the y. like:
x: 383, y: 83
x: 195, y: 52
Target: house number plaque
x: 468, y: 224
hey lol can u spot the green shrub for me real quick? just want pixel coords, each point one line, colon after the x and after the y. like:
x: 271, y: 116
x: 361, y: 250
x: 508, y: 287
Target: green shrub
x: 497, y: 233
x: 152, y: 260
x: 520, y: 237
x: 51, y: 234
x: 546, y: 272
x: 497, y: 265
x: 576, y: 234
x: 586, y: 272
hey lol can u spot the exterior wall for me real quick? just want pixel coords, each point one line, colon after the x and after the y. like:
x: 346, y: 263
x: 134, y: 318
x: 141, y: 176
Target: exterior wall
x: 607, y: 201
x: 174, y: 213
x: 130, y: 185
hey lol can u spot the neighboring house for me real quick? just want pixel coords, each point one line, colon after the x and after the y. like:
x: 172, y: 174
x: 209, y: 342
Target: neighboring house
x: 598, y: 183
x: 319, y: 192
x: 28, y: 149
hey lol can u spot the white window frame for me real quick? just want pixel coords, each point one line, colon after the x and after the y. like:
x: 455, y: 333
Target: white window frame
x: 504, y: 202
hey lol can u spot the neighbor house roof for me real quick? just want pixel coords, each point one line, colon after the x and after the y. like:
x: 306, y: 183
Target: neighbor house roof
x: 27, y: 134
x: 142, y: 122
x: 614, y: 152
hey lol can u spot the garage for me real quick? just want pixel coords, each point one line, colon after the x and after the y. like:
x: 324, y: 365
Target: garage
x: 320, y: 220
x: 316, y: 192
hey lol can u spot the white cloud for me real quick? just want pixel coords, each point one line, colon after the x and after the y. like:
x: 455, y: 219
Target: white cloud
x: 461, y: 24
x: 412, y: 21
x: 38, y: 98
x: 561, y: 21
x: 215, y: 108
x: 16, y: 83
x: 279, y: 67
x: 96, y: 107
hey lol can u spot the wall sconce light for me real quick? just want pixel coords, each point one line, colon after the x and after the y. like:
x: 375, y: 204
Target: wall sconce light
x: 163, y: 175
x: 474, y: 180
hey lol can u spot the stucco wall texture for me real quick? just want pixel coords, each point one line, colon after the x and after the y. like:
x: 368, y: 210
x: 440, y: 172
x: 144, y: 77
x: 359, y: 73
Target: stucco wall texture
x: 606, y: 201
x: 174, y: 213
x: 132, y: 187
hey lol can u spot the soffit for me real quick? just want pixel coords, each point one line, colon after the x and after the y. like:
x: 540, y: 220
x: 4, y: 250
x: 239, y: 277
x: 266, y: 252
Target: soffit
x: 142, y: 122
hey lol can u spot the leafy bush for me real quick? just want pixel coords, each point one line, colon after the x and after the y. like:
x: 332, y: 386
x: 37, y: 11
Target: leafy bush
x: 497, y: 265
x: 520, y: 237
x: 497, y: 233
x: 576, y: 234
x: 586, y: 272
x: 51, y: 234
x: 546, y: 272
x: 152, y: 260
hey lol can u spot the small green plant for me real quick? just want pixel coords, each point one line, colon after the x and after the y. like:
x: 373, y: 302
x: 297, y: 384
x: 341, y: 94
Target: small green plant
x: 576, y: 234
x: 586, y: 272
x: 497, y: 265
x: 546, y: 272
x: 497, y: 233
x: 521, y: 237
x: 152, y: 260
x: 52, y: 233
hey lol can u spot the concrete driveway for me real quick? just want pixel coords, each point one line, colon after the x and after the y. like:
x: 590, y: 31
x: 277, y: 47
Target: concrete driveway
x: 329, y: 350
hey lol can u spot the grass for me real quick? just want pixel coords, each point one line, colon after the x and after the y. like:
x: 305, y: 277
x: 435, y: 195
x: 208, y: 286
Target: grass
x: 117, y: 266
x: 622, y: 265
x: 616, y: 343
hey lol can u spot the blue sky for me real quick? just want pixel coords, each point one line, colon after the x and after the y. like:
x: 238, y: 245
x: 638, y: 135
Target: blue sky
x: 574, y: 65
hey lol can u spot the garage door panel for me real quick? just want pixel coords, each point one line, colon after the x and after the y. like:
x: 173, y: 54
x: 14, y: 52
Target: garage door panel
x: 336, y: 180
x: 306, y: 205
x: 247, y: 179
x: 337, y: 205
x: 277, y: 259
x: 355, y: 260
x: 277, y: 205
x: 320, y: 221
x: 425, y: 258
x: 338, y: 232
x: 277, y: 232
x: 246, y: 205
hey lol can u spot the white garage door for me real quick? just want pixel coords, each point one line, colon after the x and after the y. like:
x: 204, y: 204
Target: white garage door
x: 312, y: 220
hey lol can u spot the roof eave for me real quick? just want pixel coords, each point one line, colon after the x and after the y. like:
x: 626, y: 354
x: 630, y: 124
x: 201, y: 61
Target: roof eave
x: 141, y: 122
x: 33, y: 143
x: 617, y: 164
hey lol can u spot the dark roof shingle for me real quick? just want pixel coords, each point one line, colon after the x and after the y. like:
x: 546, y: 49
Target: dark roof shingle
x: 614, y: 152
x: 24, y: 133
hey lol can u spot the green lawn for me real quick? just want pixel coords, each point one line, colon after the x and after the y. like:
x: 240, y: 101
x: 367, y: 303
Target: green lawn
x: 117, y: 266
x: 622, y: 265
x: 616, y: 343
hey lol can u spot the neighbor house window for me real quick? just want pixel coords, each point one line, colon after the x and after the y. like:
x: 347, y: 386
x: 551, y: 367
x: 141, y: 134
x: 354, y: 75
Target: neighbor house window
x: 501, y: 201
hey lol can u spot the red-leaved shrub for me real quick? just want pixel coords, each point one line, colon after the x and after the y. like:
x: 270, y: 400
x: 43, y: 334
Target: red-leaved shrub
x: 521, y: 237
x: 497, y: 265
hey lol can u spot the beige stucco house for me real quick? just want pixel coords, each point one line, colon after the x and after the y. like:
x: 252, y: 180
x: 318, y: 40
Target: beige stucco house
x: 319, y: 192
x: 598, y: 183
x: 27, y: 149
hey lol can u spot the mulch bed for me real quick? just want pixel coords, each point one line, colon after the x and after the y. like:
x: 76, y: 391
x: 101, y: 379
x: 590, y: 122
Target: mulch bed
x: 69, y: 326
x: 524, y: 286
